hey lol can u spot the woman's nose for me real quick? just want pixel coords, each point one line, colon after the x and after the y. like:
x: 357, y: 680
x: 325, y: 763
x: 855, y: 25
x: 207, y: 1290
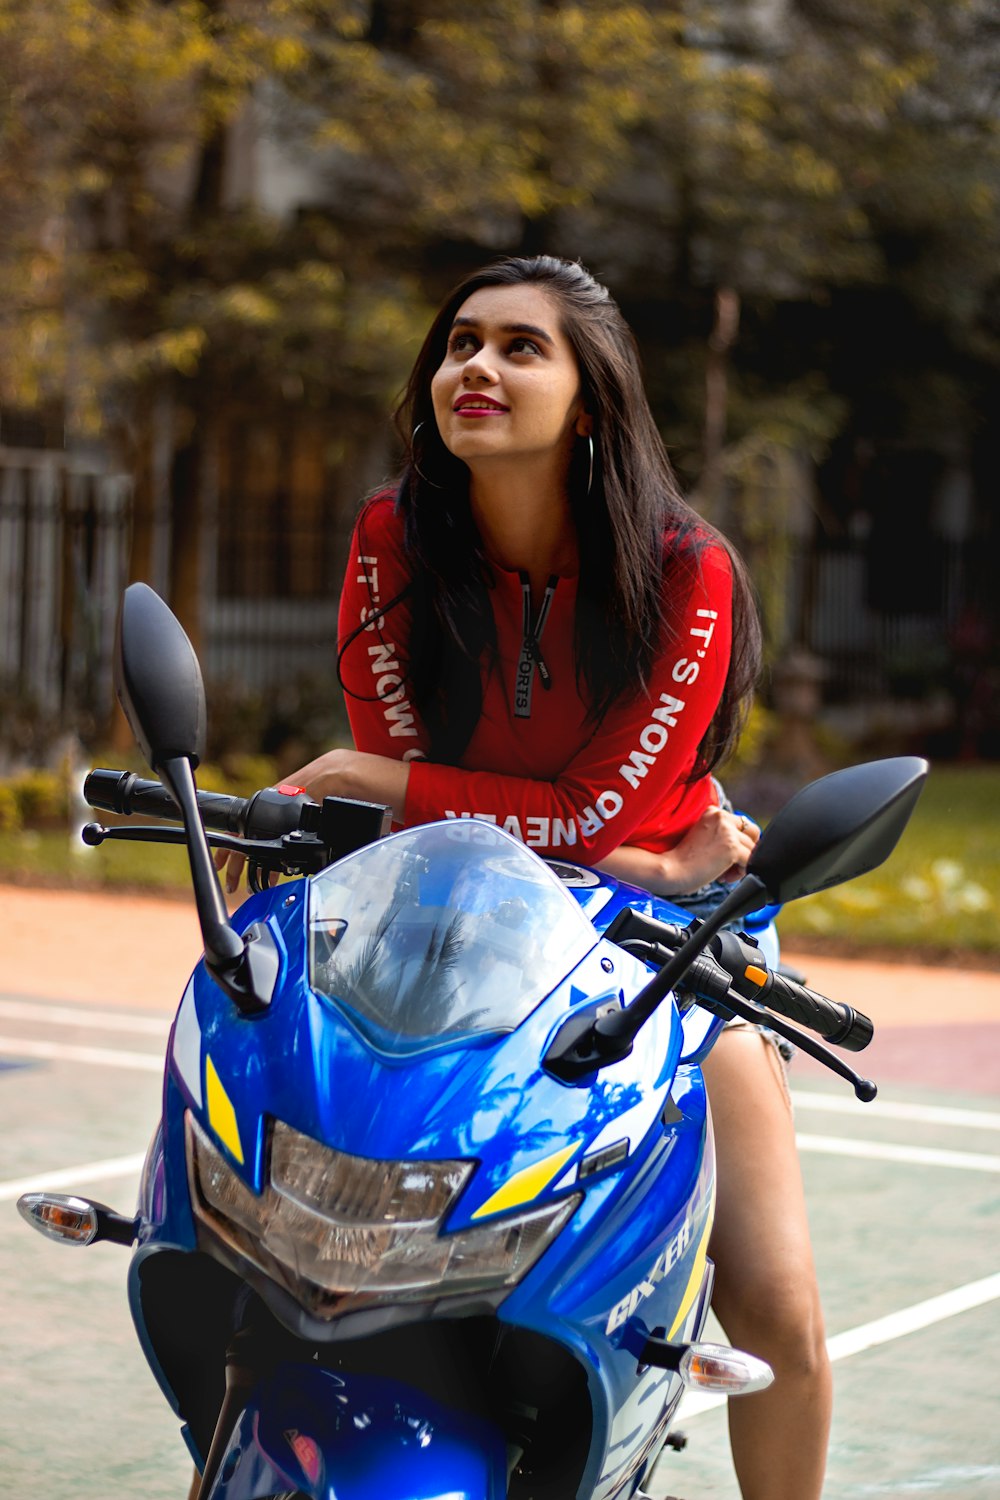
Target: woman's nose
x: 479, y: 366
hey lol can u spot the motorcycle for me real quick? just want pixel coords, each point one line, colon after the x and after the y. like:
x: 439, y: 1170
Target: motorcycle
x: 426, y: 1213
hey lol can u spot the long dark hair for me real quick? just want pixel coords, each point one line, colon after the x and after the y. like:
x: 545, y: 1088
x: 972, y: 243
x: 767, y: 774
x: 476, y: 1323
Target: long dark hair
x: 634, y: 529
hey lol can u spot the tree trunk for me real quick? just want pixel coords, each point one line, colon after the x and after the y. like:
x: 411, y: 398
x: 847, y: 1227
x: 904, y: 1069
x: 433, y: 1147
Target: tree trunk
x: 188, y: 499
x: 137, y: 448
x: 727, y: 320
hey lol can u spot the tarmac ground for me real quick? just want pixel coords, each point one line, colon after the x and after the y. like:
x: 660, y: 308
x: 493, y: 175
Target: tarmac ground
x: 904, y: 1199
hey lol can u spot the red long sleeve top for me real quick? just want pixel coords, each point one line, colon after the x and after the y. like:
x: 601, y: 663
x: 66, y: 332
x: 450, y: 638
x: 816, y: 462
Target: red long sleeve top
x: 535, y: 764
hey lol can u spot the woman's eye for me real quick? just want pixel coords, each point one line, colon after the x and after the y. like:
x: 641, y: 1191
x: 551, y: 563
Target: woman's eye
x: 524, y: 346
x: 462, y: 343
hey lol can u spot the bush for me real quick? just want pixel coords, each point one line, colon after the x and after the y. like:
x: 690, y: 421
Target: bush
x: 34, y: 799
x: 238, y: 775
x: 10, y: 811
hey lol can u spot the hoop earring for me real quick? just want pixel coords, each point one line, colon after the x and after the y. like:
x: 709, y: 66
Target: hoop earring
x: 413, y: 459
x: 590, y: 471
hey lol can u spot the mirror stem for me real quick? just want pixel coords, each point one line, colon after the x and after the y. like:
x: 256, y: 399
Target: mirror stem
x: 615, y: 1031
x: 223, y: 946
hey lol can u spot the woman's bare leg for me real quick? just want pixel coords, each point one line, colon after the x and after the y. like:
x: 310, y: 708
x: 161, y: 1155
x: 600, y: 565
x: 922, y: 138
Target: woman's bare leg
x: 766, y: 1296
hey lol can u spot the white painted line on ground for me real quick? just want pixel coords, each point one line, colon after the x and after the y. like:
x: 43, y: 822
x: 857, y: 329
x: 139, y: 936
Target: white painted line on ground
x: 924, y: 1114
x: 87, y: 1020
x: 882, y: 1330
x: 911, y: 1319
x: 69, y: 1178
x: 925, y: 1156
x: 108, y: 1057
x: 943, y: 1479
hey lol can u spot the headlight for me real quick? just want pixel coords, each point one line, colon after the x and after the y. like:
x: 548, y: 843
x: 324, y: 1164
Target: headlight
x: 341, y: 1232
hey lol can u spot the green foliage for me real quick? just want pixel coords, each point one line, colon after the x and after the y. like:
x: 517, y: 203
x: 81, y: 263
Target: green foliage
x: 757, y: 734
x: 773, y: 159
x: 239, y: 775
x: 35, y: 799
x: 60, y: 858
x: 10, y: 812
x: 939, y: 890
x: 677, y: 149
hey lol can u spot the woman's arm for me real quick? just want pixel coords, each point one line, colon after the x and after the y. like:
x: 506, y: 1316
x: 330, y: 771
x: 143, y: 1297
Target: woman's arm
x: 373, y: 630
x: 632, y: 767
x: 716, y: 848
x: 625, y: 777
x: 636, y: 759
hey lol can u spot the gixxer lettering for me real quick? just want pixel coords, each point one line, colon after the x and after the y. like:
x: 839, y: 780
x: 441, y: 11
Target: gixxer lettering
x: 664, y: 1263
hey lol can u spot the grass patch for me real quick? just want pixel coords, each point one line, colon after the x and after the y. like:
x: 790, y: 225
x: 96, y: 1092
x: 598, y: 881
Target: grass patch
x: 53, y: 857
x: 939, y: 891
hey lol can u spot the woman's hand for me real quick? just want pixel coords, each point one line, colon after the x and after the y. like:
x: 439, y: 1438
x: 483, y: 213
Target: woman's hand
x: 338, y: 773
x: 353, y: 773
x: 717, y: 847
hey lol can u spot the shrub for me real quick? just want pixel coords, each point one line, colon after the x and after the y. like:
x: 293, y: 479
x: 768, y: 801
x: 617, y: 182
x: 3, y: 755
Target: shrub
x: 10, y: 811
x: 41, y: 797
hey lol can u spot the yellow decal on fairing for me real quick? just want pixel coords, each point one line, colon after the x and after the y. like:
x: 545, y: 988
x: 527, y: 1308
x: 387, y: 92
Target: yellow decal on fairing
x: 697, y: 1272
x: 526, y: 1184
x: 221, y: 1114
x: 673, y: 1252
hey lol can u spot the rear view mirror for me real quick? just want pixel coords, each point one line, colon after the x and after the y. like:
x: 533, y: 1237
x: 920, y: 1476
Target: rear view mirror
x: 158, y: 679
x: 837, y: 828
x: 832, y: 830
x: 159, y: 685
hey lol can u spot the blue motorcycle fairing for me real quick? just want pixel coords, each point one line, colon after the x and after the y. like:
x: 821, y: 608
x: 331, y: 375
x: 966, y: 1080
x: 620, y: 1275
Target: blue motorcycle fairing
x: 606, y: 1250
x: 354, y: 1437
x: 632, y: 1259
x: 484, y: 1098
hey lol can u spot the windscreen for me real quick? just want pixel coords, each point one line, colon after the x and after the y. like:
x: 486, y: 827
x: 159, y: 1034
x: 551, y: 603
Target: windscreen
x: 441, y: 931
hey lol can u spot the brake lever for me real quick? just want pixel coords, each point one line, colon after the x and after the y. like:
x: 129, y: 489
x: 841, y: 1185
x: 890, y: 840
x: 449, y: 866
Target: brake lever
x: 864, y: 1088
x: 296, y: 855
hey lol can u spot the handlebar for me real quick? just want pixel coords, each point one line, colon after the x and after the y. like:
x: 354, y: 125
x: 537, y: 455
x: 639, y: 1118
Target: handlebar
x: 268, y: 814
x: 733, y: 964
x: 751, y: 977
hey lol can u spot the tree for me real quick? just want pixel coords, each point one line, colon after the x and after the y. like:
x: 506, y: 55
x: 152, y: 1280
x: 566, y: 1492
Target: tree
x: 806, y: 166
x: 820, y: 163
x: 143, y: 279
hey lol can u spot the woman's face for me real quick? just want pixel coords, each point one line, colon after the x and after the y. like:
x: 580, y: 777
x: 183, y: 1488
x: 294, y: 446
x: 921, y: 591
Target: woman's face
x: 509, y: 385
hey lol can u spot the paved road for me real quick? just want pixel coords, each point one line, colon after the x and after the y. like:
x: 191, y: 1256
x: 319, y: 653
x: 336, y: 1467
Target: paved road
x: 904, y: 1197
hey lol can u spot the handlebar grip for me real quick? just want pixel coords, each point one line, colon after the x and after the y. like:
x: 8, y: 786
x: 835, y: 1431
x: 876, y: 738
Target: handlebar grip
x: 122, y: 792
x: 268, y: 814
x: 840, y: 1024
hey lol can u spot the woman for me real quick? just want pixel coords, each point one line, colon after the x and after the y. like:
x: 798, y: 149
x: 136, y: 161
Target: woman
x: 537, y: 630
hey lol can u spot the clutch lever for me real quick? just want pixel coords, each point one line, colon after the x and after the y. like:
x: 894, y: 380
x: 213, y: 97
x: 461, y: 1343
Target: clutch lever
x: 293, y: 854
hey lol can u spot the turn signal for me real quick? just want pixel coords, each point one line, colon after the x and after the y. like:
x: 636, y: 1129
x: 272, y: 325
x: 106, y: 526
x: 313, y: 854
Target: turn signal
x: 716, y: 1367
x: 72, y: 1220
